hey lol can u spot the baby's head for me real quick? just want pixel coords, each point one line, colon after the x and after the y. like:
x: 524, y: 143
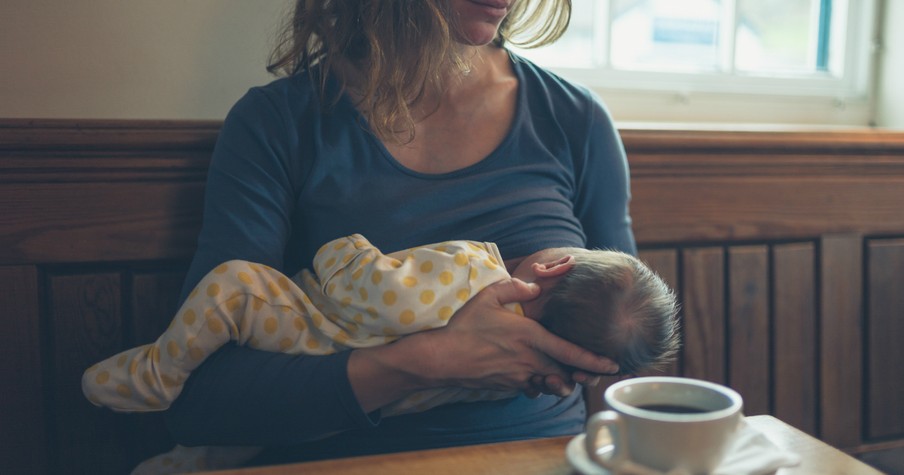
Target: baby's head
x: 606, y: 301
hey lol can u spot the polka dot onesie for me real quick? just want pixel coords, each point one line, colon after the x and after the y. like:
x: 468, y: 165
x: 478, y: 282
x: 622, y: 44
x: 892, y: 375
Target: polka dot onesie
x: 358, y: 298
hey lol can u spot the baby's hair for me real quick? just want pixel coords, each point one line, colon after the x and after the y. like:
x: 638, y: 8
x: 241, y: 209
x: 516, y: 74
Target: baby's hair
x: 614, y: 305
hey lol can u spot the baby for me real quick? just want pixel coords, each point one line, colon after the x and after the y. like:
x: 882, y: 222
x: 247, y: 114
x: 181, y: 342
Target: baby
x: 605, y: 301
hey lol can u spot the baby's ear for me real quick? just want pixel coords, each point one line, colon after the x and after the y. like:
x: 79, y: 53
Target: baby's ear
x: 555, y: 268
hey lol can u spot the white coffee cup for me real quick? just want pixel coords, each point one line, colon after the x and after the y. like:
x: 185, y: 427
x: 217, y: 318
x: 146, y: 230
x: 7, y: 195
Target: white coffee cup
x: 665, y: 424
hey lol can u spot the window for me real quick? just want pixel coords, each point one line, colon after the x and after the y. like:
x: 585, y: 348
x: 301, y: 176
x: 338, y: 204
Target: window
x: 686, y: 60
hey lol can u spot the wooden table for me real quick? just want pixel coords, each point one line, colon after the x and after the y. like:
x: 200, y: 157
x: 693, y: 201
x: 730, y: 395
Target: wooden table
x: 547, y: 457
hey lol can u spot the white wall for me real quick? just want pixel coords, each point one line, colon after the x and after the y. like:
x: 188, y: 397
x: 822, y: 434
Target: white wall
x: 148, y: 59
x: 890, y: 107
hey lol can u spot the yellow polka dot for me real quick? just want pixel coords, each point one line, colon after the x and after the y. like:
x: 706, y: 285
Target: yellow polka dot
x: 317, y: 319
x: 472, y: 274
x: 445, y: 277
x: 271, y: 325
x: 358, y: 273
x: 152, y: 402
x: 475, y: 247
x: 518, y: 309
x: 461, y: 259
x: 330, y: 289
x: 490, y: 264
x: 351, y: 327
x: 172, y: 349
x: 169, y: 381
x: 254, y: 267
x: 193, y: 293
x: 213, y: 290
x: 358, y: 318
x: 284, y: 283
x: 341, y: 337
x: 396, y: 263
x: 123, y: 390
x: 299, y: 324
x: 274, y: 289
x: 189, y: 317
x: 372, y: 312
x: 257, y: 302
x: 330, y: 262
x: 389, y: 297
x: 312, y: 344
x: 215, y: 325
x: 102, y: 377
x: 340, y: 245
x: 441, y: 248
x: 463, y: 294
x: 427, y: 266
x: 427, y: 297
x: 147, y: 378
x: 306, y: 299
x: 133, y: 366
x: 445, y: 313
x: 234, y: 303
x: 196, y: 354
x: 220, y: 269
x: 285, y: 344
x: 347, y: 258
x: 121, y: 361
x: 362, y: 292
x: 345, y: 302
x: 406, y: 317
x: 409, y: 281
x: 376, y: 277
x: 245, y: 278
x: 154, y: 353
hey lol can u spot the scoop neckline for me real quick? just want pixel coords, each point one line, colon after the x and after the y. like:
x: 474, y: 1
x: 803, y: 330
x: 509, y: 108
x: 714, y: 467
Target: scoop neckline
x: 485, y: 161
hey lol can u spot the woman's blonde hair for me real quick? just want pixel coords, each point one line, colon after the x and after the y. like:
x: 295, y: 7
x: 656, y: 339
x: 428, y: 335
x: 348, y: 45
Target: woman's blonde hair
x: 400, y: 48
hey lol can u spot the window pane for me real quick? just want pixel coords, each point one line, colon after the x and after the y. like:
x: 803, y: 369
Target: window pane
x: 767, y: 42
x: 666, y: 34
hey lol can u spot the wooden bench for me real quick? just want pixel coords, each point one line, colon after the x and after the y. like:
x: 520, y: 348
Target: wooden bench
x: 787, y: 250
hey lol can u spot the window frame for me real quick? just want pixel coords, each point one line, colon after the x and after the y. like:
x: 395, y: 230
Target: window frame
x: 654, y: 96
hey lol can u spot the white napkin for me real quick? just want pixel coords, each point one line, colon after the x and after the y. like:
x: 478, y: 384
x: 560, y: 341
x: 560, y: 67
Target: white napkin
x: 752, y: 453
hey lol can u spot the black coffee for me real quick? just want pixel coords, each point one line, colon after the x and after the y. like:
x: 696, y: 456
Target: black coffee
x: 672, y: 408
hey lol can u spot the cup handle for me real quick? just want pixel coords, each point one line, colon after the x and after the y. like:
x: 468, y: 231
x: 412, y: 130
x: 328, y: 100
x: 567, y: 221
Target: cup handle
x: 616, y: 426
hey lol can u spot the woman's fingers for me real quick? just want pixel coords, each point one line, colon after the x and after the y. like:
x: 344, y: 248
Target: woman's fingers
x: 569, y: 354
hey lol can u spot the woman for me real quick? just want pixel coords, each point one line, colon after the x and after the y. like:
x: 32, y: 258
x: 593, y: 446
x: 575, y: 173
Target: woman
x: 408, y: 122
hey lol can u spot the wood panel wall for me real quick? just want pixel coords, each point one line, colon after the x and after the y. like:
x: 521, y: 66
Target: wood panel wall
x: 786, y: 250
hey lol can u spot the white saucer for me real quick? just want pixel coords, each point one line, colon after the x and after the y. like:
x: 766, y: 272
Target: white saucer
x: 576, y: 453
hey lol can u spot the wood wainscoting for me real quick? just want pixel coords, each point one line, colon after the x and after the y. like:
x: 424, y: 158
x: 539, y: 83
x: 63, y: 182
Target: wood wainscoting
x: 786, y: 250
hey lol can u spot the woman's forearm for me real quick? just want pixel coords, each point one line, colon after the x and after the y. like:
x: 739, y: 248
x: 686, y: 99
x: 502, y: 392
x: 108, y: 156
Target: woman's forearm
x: 242, y: 396
x: 384, y: 374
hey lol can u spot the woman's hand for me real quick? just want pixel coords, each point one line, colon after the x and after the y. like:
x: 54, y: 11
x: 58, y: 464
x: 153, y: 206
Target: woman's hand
x: 487, y: 346
x: 484, y: 346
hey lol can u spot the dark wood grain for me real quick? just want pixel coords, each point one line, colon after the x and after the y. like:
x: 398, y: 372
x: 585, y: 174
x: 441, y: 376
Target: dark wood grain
x: 841, y: 340
x: 885, y: 344
x: 748, y: 326
x: 795, y: 335
x: 704, y: 314
x: 87, y: 327
x: 23, y: 441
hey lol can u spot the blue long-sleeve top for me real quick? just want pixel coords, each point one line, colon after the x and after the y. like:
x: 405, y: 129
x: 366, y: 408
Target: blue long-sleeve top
x: 291, y: 171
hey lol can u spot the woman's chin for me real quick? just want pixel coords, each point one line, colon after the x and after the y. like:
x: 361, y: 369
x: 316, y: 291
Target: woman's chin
x: 478, y: 34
